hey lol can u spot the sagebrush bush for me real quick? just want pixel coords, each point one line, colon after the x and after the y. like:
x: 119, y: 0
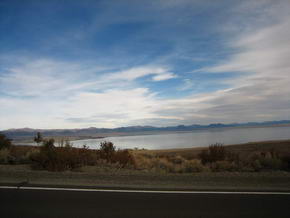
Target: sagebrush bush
x: 215, y: 152
x: 107, y: 150
x: 124, y: 158
x: 224, y: 165
x: 4, y: 142
x: 177, y: 159
x: 265, y: 161
x: 143, y: 161
x: 192, y: 166
x: 286, y: 162
x: 271, y: 163
x: 172, y: 164
x: 21, y: 154
x: 4, y: 156
x: 162, y: 164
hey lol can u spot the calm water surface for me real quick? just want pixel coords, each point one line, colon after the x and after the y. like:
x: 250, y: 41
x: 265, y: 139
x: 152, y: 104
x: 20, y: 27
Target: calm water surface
x: 193, y: 139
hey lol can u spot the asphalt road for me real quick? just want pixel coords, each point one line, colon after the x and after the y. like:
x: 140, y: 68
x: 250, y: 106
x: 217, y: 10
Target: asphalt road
x: 45, y: 204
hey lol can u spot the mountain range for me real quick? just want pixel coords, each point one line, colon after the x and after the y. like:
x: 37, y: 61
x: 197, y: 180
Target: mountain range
x: 130, y: 130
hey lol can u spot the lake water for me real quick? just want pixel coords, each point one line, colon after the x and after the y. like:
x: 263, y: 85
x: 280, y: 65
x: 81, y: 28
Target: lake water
x: 193, y: 139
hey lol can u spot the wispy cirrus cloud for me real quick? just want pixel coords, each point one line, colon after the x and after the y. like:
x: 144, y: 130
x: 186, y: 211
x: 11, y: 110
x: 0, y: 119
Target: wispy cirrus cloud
x: 158, y: 73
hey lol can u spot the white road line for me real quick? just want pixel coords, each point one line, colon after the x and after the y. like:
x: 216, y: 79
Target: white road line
x: 145, y: 191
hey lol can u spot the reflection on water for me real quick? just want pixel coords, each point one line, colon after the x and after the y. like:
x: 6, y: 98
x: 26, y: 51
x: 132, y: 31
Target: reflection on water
x: 194, y: 138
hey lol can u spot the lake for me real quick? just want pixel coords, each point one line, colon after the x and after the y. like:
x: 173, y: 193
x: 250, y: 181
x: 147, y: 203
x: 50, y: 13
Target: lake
x: 194, y: 138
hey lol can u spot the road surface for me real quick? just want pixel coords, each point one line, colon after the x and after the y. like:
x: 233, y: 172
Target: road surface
x: 63, y: 203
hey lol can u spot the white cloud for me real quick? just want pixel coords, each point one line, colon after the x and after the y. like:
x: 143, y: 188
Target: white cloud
x: 46, y: 93
x: 44, y: 77
x: 164, y: 76
x: 159, y: 73
x: 129, y: 104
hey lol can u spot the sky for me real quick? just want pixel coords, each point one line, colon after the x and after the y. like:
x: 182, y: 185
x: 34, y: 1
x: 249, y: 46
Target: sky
x: 107, y: 63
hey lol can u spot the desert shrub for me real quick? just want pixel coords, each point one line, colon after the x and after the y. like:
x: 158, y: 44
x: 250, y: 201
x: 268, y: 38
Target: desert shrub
x: 233, y: 157
x: 172, y: 164
x: 286, y: 162
x: 25, y: 159
x: 107, y: 150
x: 4, y: 156
x: 162, y: 164
x: 21, y: 154
x: 143, y: 161
x: 265, y: 161
x: 66, y: 157
x: 48, y: 143
x: 215, y: 152
x: 56, y: 159
x: 192, y: 166
x: 224, y: 165
x: 46, y: 157
x: 271, y: 163
x: 124, y: 158
x: 255, y: 165
x: 166, y: 165
x: 4, y: 142
x: 109, y: 153
x: 177, y: 159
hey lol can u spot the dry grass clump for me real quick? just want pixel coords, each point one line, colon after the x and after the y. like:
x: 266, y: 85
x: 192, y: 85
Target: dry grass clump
x: 17, y: 154
x: 171, y: 164
x: 193, y: 166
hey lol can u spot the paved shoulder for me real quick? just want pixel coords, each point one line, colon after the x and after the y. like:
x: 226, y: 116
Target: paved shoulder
x: 65, y: 203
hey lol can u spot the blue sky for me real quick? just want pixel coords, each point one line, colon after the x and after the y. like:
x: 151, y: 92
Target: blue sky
x: 75, y: 64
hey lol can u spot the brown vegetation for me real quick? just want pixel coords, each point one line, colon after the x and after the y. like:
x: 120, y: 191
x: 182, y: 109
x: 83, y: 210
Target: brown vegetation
x: 65, y: 157
x: 237, y: 158
x: 216, y: 158
x: 4, y: 142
